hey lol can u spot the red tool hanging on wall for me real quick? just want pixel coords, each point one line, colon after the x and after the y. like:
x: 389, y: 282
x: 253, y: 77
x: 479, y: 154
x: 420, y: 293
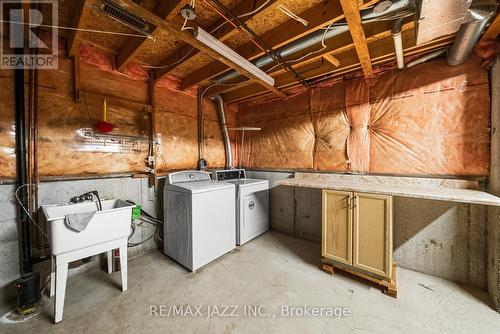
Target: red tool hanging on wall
x: 104, y: 126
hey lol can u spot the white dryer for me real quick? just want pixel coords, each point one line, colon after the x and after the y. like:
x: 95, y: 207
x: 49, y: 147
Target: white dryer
x: 199, y: 218
x: 252, y: 203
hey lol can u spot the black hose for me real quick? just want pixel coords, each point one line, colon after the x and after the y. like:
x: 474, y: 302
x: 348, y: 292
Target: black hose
x: 147, y: 218
x: 143, y: 241
x: 98, y: 199
x: 143, y: 212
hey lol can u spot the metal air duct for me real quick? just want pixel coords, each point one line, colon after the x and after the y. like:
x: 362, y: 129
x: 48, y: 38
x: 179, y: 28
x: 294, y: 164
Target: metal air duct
x: 470, y: 31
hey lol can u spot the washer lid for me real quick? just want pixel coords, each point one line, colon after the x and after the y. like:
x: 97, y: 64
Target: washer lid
x: 244, y: 182
x: 200, y: 186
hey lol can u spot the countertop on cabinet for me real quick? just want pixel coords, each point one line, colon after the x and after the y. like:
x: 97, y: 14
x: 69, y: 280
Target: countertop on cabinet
x: 451, y: 190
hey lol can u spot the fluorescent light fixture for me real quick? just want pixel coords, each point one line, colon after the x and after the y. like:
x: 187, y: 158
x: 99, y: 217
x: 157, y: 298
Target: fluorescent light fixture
x: 228, y: 53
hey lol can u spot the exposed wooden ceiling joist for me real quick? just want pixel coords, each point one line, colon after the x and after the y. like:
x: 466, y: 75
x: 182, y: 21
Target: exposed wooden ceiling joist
x: 341, y: 43
x: 82, y: 12
x: 165, y: 9
x: 334, y: 61
x: 382, y: 51
x: 223, y: 31
x: 318, y: 17
x: 175, y: 29
x: 353, y: 18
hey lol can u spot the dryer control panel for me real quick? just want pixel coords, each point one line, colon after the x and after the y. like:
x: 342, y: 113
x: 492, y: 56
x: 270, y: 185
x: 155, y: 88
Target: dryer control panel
x: 229, y: 174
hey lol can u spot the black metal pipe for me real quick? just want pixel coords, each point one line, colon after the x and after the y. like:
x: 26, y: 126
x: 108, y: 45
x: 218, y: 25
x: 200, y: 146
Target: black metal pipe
x: 25, y: 242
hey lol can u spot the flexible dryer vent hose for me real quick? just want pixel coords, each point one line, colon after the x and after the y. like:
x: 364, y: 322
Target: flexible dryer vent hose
x: 225, y: 134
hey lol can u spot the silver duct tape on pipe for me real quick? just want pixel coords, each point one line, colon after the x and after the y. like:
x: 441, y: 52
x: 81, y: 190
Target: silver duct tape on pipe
x: 398, y: 43
x: 367, y: 15
x: 225, y: 134
x: 470, y: 32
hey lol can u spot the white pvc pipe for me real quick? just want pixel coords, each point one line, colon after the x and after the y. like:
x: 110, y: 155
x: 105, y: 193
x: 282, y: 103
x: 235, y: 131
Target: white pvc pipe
x: 398, y: 47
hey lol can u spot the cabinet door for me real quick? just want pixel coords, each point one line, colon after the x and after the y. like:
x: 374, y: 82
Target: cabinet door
x: 372, y: 240
x: 337, y: 226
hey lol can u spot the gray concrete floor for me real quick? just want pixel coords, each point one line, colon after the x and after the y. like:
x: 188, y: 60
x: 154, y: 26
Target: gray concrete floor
x: 273, y: 270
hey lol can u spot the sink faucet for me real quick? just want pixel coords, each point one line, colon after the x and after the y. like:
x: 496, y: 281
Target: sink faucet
x: 88, y: 196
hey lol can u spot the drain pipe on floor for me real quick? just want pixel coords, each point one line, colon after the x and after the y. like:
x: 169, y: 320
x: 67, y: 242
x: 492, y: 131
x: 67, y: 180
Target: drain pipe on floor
x: 225, y: 134
x: 398, y: 43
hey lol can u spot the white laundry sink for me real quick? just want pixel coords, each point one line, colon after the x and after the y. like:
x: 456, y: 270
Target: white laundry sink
x: 112, y: 223
x: 88, y: 232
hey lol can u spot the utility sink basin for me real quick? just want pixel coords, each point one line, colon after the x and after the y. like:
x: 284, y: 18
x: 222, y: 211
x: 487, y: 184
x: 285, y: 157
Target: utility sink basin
x: 87, y: 232
x: 112, y: 223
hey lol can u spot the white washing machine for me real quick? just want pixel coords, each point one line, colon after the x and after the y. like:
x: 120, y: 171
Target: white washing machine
x: 252, y: 203
x: 199, y: 218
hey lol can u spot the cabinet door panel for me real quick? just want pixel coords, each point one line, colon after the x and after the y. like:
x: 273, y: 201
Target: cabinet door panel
x: 337, y: 226
x: 372, y: 240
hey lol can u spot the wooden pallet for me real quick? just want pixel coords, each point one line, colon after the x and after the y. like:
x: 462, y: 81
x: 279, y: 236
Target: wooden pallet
x: 389, y: 288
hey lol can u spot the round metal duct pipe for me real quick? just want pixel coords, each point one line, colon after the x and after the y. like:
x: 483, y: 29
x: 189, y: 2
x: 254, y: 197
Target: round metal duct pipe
x: 396, y: 10
x: 469, y: 33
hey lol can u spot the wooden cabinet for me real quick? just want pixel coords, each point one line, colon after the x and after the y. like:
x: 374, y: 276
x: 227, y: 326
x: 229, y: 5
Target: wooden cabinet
x: 357, y: 231
x: 337, y: 226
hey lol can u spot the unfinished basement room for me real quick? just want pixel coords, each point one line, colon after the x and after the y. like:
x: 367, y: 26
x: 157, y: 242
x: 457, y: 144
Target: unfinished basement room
x: 249, y: 166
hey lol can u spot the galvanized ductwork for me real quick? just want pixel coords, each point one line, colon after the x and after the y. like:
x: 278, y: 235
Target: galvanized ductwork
x: 390, y: 11
x: 225, y: 134
x: 470, y: 31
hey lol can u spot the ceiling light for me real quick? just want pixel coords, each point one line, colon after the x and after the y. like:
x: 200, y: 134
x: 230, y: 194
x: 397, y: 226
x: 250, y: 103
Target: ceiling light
x: 228, y: 53
x: 188, y: 12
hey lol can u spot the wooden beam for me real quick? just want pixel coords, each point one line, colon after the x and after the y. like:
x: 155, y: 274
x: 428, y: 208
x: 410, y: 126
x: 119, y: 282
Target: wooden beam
x: 353, y: 18
x: 224, y: 32
x: 77, y: 86
x: 492, y: 31
x: 334, y: 61
x: 165, y: 9
x: 82, y: 12
x: 338, y: 45
x: 187, y: 37
x: 151, y: 108
x: 382, y: 52
x: 318, y: 16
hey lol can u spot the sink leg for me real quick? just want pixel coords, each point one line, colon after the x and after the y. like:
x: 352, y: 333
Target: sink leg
x: 123, y: 264
x: 61, y: 276
x: 52, y: 277
x: 110, y: 261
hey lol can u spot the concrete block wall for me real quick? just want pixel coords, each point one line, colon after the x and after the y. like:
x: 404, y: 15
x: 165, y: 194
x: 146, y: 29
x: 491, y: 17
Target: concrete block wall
x: 9, y: 250
x: 443, y: 239
x: 54, y: 192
